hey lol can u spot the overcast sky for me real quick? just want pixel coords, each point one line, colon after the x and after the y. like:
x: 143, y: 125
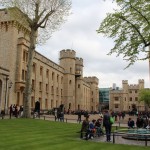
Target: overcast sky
x: 79, y: 33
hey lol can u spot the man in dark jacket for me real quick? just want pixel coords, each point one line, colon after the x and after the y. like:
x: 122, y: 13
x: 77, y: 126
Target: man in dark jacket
x: 107, y: 124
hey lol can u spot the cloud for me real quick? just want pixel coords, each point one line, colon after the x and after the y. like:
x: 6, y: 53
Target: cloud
x: 79, y: 33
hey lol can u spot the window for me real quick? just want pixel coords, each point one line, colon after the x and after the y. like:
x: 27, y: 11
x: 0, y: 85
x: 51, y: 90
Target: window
x: 32, y: 102
x: 57, y: 91
x: 116, y: 106
x: 78, y: 85
x: 41, y: 71
x: 136, y: 98
x: 61, y: 80
x: 70, y: 70
x: 33, y: 69
x: 52, y: 75
x: 33, y: 84
x: 25, y: 56
x: 46, y: 87
x: 130, y: 98
x: 47, y: 73
x: 130, y: 91
x: 116, y: 98
x: 57, y: 78
x: 70, y: 82
x: 52, y: 90
x: 40, y: 86
x: 135, y: 91
x: 23, y: 75
x: 46, y: 104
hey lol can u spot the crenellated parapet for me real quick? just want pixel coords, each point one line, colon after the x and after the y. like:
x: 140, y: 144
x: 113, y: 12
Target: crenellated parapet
x: 124, y: 81
x: 141, y: 81
x: 79, y: 61
x: 8, y: 21
x: 133, y: 86
x: 91, y: 79
x: 67, y: 54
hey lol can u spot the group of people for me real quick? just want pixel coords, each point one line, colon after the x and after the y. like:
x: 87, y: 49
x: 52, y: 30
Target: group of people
x: 95, y: 127
x: 141, y: 122
x: 15, y: 110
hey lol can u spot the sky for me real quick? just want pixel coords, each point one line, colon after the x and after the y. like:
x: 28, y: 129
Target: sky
x: 79, y: 33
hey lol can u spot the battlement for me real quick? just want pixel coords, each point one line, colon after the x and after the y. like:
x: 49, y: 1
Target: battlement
x: 91, y: 79
x: 133, y: 86
x: 141, y: 80
x: 79, y: 61
x: 124, y: 81
x: 18, y: 20
x: 67, y: 54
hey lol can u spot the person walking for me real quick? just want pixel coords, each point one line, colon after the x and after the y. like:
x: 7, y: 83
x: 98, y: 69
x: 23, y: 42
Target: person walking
x: 107, y: 124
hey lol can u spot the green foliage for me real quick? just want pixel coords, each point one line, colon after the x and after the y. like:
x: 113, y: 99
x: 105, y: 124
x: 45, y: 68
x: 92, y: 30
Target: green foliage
x: 144, y: 95
x: 129, y: 26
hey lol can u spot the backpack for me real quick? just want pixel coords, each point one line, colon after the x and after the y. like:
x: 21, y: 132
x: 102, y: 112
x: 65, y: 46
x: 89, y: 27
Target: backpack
x: 112, y: 120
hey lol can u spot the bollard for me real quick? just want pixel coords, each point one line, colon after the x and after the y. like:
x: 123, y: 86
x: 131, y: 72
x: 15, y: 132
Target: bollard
x: 145, y: 140
x: 116, y: 127
x: 113, y: 138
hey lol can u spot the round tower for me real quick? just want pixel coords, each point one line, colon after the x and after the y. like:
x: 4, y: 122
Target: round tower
x: 79, y: 67
x: 68, y: 61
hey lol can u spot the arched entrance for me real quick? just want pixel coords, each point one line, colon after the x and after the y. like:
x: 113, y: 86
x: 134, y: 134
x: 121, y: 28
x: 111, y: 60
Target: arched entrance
x: 0, y: 93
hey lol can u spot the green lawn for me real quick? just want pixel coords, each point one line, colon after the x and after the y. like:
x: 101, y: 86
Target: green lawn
x: 32, y: 134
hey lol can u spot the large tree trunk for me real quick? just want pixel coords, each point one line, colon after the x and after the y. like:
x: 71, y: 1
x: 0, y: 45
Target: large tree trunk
x: 28, y: 86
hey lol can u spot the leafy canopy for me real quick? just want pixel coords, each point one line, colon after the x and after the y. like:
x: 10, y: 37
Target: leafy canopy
x: 129, y: 26
x: 144, y: 95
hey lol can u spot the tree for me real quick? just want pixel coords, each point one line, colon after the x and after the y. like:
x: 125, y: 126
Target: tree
x: 144, y: 95
x: 39, y: 15
x: 129, y: 26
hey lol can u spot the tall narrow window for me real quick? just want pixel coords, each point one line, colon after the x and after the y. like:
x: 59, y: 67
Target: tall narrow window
x: 46, y: 87
x: 33, y: 69
x: 53, y: 76
x: 41, y: 71
x: 23, y: 75
x: 40, y: 86
x: 46, y: 104
x: 47, y: 73
x: 57, y: 78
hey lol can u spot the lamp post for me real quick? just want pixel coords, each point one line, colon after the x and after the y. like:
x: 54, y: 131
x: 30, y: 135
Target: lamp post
x: 5, y: 103
x: 9, y: 87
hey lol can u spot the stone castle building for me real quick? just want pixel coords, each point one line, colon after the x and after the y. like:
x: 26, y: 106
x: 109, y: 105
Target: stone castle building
x: 126, y: 99
x: 52, y: 84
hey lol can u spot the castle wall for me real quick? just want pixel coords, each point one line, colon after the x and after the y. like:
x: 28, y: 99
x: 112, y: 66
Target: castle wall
x: 52, y: 84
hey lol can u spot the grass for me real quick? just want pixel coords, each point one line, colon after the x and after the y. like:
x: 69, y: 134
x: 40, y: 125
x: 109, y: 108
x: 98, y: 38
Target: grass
x: 32, y: 134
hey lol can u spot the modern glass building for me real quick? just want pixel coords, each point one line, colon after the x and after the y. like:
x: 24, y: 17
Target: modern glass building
x: 104, y: 98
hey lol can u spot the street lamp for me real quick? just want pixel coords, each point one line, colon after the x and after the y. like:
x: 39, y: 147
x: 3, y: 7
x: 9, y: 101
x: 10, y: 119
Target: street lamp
x: 9, y: 87
x: 5, y: 104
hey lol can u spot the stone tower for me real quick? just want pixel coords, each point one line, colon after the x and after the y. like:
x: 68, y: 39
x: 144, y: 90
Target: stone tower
x: 94, y: 96
x: 79, y: 84
x: 67, y: 61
